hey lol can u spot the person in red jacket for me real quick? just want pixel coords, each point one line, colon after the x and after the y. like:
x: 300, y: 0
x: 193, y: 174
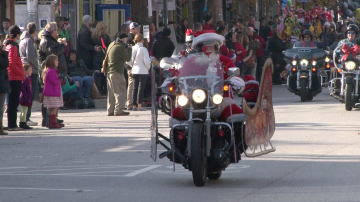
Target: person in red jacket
x: 259, y: 55
x: 16, y: 75
x: 208, y: 23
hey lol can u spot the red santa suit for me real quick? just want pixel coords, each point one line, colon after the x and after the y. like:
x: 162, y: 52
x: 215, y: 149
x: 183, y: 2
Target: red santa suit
x: 228, y: 102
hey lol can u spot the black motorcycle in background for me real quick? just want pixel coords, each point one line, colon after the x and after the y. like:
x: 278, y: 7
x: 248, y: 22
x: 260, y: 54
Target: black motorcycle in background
x: 305, y: 78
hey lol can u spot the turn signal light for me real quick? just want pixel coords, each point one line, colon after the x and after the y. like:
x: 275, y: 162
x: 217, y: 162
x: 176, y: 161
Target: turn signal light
x: 171, y: 89
x: 294, y: 69
x: 226, y: 88
x: 327, y: 66
x: 339, y: 70
x: 314, y: 69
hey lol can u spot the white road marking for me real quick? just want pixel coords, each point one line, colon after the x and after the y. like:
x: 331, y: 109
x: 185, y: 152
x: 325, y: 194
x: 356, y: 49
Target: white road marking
x: 44, y: 189
x: 142, y: 171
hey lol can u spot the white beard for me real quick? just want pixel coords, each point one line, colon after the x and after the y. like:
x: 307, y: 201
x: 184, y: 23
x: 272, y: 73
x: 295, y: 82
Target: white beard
x: 213, y: 57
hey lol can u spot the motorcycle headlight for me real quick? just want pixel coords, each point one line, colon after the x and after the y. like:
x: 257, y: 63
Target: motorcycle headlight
x: 217, y: 99
x: 327, y: 59
x: 199, y: 96
x: 182, y: 100
x: 293, y: 62
x: 304, y: 62
x: 350, y: 65
x: 313, y: 63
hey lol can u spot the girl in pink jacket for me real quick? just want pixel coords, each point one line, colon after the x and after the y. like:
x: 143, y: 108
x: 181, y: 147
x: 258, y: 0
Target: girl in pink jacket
x: 52, y: 89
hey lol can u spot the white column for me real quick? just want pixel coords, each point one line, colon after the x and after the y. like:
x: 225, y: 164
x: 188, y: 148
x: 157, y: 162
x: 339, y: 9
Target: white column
x: 32, y: 11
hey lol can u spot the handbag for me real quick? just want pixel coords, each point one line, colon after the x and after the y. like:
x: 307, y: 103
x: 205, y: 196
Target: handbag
x: 94, y: 93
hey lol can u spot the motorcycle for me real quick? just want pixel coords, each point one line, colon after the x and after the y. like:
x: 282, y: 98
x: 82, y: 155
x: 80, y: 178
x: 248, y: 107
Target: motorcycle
x: 348, y: 64
x: 335, y: 76
x: 305, y: 78
x: 200, y: 141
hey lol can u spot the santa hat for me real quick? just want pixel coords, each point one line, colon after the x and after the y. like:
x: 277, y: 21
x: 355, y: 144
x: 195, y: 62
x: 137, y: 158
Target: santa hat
x: 189, y: 35
x: 207, y: 36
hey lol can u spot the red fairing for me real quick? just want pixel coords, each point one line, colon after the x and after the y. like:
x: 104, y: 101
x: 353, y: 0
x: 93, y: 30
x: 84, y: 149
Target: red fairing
x: 250, y: 83
x: 227, y: 113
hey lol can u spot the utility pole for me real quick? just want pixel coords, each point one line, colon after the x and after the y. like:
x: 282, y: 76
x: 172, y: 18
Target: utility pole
x: 32, y: 11
x: 165, y: 14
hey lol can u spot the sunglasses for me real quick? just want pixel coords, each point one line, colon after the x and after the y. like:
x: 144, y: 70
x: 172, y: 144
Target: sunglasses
x: 351, y: 32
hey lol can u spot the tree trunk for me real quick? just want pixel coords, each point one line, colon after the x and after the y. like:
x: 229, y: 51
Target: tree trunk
x: 191, y: 11
x: 139, y: 12
x: 269, y: 10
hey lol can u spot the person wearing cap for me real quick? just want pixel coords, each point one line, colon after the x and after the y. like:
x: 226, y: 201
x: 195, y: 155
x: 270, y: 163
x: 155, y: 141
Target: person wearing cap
x: 208, y: 23
x: 117, y: 54
x: 16, y: 75
x: 134, y: 30
x: 85, y: 46
x: 28, y: 54
x: 164, y: 47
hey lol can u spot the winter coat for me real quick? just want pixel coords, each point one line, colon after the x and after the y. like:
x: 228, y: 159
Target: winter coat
x: 242, y: 55
x: 52, y: 83
x: 225, y: 51
x: 4, y: 76
x: 28, y: 52
x: 97, y: 41
x: 15, y: 69
x: 78, y: 68
x: 85, y: 45
x: 163, y: 47
x: 117, y: 56
x: 208, y: 26
x: 276, y: 46
x: 26, y: 92
x: 67, y: 87
x: 141, y: 61
x: 260, y: 51
x: 49, y: 45
x: 230, y: 45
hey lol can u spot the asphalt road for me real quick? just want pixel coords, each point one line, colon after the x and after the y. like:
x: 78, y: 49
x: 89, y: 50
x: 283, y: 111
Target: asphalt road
x: 101, y: 158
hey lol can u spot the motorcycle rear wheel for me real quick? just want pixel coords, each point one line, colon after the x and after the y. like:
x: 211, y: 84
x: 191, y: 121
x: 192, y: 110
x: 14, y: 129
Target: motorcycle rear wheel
x: 198, y: 154
x: 348, y: 97
x: 303, y: 90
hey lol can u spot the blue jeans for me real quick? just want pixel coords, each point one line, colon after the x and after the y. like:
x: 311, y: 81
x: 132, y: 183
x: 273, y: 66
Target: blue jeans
x: 85, y: 84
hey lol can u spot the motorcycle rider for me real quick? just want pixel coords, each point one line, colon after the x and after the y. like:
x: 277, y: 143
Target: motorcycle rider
x: 307, y: 37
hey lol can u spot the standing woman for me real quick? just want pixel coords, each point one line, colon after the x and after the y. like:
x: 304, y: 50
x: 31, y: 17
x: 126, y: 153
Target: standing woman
x: 16, y: 76
x: 100, y: 38
x: 140, y: 70
x: 4, y: 84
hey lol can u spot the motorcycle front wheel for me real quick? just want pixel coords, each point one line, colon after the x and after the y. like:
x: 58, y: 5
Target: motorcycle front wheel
x: 303, y: 90
x: 348, y: 97
x: 198, y: 154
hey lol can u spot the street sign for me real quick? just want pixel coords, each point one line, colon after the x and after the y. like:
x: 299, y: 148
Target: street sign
x: 146, y: 32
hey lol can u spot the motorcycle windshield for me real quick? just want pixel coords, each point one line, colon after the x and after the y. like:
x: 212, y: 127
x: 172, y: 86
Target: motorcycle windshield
x: 305, y: 52
x: 201, y: 71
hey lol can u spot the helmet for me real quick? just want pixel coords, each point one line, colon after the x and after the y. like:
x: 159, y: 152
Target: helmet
x: 354, y: 28
x: 307, y: 32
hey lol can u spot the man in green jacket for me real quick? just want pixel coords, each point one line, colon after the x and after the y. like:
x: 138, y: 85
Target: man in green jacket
x: 118, y: 54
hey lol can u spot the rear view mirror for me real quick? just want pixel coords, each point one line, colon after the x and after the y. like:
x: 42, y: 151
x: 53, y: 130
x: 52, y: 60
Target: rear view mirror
x: 233, y: 71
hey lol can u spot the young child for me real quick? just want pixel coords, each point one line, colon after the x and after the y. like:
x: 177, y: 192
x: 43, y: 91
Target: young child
x: 25, y: 96
x: 52, y: 89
